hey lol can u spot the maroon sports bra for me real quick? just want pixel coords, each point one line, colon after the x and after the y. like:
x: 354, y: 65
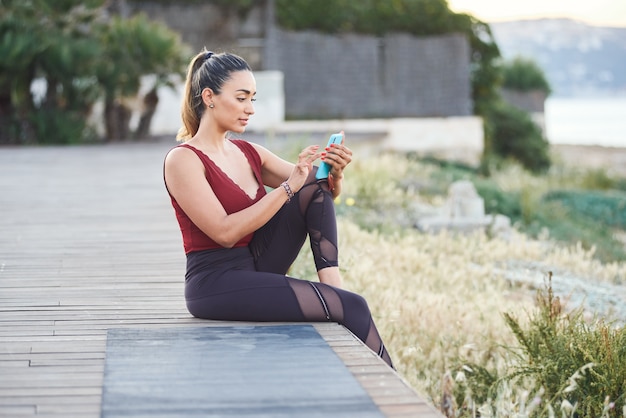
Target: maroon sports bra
x: 232, y: 197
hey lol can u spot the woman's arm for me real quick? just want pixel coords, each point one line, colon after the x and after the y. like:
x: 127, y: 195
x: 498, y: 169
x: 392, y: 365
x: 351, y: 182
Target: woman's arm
x: 274, y: 169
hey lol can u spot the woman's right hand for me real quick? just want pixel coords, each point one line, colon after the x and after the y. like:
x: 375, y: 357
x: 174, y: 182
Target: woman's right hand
x: 303, y: 167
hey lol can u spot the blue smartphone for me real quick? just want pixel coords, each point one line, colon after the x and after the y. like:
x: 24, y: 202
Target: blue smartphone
x: 324, y: 169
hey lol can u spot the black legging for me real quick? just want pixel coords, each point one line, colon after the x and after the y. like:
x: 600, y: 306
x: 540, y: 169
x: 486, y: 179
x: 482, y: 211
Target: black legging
x: 249, y: 283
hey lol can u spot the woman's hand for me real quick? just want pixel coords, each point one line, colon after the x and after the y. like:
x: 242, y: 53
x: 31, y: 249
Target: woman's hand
x: 338, y: 156
x: 303, y: 167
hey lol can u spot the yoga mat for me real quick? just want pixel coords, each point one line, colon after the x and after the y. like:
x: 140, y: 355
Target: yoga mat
x: 240, y: 371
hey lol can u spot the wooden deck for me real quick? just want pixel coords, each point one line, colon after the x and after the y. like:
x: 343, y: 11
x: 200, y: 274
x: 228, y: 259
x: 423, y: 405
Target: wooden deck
x: 88, y: 242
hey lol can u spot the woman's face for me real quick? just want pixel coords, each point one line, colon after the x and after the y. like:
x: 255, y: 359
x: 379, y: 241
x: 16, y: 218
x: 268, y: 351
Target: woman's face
x: 234, y: 105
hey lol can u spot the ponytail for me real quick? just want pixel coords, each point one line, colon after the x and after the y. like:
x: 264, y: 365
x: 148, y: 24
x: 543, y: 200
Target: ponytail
x: 191, y: 121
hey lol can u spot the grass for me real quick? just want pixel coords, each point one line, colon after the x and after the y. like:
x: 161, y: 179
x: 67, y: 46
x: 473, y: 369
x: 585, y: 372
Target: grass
x: 441, y: 301
x: 573, y: 362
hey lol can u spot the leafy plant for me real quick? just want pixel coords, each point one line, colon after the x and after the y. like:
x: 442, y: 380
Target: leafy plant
x: 565, y: 363
x: 514, y: 135
x: 47, y: 41
x: 77, y: 52
x: 132, y: 48
x: 609, y: 207
x: 524, y: 74
x: 571, y: 228
x: 573, y: 361
x: 54, y: 126
x: 569, y: 216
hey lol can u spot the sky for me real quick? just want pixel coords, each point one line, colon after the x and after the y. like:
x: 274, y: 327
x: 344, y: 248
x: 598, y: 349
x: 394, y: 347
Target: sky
x: 593, y: 12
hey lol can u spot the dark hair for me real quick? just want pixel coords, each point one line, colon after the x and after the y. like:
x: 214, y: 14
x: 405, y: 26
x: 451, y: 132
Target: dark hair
x: 210, y: 70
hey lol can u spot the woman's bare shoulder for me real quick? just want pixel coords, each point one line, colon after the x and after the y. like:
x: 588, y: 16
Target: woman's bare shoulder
x: 180, y: 153
x: 180, y: 158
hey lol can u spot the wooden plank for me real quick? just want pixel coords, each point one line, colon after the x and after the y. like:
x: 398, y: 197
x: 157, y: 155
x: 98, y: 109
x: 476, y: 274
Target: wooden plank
x: 15, y: 363
x: 17, y: 410
x: 87, y: 395
x: 51, y: 356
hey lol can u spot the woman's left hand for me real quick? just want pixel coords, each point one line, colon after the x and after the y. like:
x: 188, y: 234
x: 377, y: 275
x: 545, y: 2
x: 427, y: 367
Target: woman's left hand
x: 338, y: 156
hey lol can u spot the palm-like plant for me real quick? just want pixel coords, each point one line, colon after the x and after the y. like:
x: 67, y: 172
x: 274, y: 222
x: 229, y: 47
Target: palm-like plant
x: 80, y: 53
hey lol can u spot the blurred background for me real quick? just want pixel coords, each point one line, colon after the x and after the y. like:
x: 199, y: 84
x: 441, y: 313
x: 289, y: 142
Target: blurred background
x: 581, y: 47
x: 111, y: 70
x: 502, y: 118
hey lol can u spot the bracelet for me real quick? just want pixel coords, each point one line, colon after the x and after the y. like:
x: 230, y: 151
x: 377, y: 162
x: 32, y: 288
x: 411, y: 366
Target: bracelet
x: 288, y: 190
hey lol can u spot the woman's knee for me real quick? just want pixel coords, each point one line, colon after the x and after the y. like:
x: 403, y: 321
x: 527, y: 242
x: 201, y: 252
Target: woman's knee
x: 355, y: 303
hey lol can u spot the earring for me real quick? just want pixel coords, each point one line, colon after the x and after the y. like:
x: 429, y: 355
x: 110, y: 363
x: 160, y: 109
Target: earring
x: 211, y: 105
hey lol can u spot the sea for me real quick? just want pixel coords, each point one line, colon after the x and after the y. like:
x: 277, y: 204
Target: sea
x: 586, y: 121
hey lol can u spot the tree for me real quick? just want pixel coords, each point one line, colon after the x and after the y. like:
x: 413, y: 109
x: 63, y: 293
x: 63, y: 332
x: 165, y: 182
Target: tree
x: 40, y: 41
x: 132, y: 48
x: 67, y: 46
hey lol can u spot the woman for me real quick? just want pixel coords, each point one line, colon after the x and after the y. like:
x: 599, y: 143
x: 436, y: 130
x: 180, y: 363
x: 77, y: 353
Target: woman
x: 239, y: 239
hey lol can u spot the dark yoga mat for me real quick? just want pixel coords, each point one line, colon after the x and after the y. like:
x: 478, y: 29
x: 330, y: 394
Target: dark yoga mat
x: 241, y: 371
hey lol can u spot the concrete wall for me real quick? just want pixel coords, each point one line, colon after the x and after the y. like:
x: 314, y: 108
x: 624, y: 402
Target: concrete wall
x: 353, y: 76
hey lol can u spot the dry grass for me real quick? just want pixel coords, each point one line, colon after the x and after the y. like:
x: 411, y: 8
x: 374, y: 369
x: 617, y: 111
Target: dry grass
x: 438, y: 298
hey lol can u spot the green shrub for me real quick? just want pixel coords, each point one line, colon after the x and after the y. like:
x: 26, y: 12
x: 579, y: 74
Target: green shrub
x: 598, y: 179
x: 561, y: 365
x: 523, y: 74
x: 498, y: 201
x: 608, y: 208
x: 620, y: 184
x: 571, y: 360
x: 570, y: 217
x: 81, y: 53
x: 513, y: 135
x: 54, y: 126
x: 569, y: 228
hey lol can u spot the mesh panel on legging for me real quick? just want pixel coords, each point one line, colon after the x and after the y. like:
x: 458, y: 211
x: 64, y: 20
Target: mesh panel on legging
x: 276, y: 244
x: 320, y: 302
x: 373, y: 340
x: 316, y: 206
